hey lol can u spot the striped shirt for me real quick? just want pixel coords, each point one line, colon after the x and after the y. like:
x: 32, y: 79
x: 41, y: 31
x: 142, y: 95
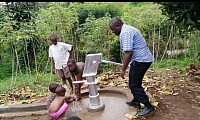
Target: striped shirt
x: 131, y: 39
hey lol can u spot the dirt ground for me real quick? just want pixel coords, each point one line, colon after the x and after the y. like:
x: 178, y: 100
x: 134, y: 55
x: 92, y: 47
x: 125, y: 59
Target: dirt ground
x: 177, y: 93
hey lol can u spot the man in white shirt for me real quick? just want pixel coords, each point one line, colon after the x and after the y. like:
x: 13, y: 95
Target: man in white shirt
x: 59, y: 55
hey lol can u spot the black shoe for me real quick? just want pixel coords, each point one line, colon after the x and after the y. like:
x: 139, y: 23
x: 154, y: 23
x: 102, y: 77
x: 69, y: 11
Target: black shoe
x: 134, y: 104
x: 146, y: 111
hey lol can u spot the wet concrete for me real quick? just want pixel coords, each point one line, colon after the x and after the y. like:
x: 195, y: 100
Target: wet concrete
x: 115, y: 107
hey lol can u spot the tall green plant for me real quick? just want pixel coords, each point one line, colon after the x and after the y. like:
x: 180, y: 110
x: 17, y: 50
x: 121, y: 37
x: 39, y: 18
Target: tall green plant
x: 95, y: 35
x: 59, y: 20
x: 98, y: 9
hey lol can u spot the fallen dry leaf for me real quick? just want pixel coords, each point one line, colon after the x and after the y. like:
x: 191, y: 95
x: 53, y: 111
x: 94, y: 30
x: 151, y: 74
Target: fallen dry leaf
x: 130, y: 117
x: 145, y: 78
x: 175, y: 93
x: 166, y: 92
x: 155, y: 104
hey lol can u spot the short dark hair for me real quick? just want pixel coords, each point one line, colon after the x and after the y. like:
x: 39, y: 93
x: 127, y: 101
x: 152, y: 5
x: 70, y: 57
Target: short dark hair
x: 71, y: 61
x: 53, y: 36
x: 53, y: 86
x: 74, y: 118
x: 115, y: 20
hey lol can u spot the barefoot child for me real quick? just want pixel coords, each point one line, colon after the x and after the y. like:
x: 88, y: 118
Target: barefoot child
x: 60, y: 103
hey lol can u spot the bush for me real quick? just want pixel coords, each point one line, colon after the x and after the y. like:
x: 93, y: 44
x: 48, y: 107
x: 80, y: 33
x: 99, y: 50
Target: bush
x: 115, y: 52
x: 98, y: 10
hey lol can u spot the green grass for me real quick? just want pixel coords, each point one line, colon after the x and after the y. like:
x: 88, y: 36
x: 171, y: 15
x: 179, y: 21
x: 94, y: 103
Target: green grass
x: 38, y: 81
x: 180, y: 64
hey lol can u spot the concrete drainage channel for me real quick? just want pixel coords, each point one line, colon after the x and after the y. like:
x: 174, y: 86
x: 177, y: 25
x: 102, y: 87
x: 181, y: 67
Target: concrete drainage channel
x: 22, y: 107
x: 113, y: 97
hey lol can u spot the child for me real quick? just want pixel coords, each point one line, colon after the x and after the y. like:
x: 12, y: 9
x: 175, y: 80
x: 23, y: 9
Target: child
x: 52, y: 88
x: 60, y: 103
x: 76, y: 70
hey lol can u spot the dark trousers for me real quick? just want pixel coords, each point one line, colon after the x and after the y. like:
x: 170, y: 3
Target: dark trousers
x: 136, y: 74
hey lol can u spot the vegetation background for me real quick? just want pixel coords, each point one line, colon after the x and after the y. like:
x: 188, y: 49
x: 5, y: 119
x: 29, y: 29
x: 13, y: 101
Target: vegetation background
x: 170, y: 29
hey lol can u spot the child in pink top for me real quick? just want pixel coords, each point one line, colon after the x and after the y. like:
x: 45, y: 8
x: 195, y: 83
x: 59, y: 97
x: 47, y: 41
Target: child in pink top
x: 60, y: 103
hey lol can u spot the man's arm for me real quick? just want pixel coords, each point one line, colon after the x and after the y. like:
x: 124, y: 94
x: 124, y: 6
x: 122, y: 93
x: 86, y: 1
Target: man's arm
x: 127, y: 46
x: 126, y: 60
x: 52, y: 61
x: 68, y: 47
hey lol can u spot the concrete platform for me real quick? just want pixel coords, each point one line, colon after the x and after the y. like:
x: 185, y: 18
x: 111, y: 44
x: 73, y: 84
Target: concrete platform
x: 22, y: 114
x: 40, y: 108
x: 22, y: 107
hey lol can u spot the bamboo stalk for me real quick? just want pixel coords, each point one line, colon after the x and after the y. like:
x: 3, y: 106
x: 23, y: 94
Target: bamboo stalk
x: 171, y: 41
x: 185, y: 45
x: 40, y: 62
x: 159, y: 36
x: 154, y: 34
x: 36, y: 69
x: 18, y: 64
x: 27, y: 57
x: 13, y: 65
x: 196, y: 43
x: 167, y: 44
x: 175, y: 42
x: 25, y: 66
